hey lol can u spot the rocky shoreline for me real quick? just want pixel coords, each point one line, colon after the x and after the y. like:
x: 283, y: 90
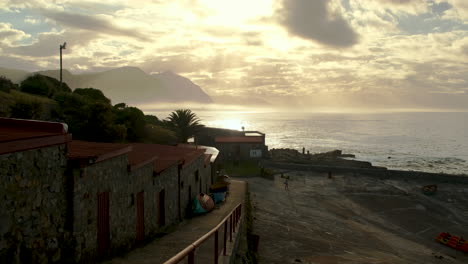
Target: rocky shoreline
x: 334, y: 158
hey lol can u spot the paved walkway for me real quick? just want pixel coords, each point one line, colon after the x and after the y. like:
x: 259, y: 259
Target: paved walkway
x: 187, y: 232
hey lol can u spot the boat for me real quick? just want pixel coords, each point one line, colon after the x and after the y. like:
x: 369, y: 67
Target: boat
x: 202, y: 203
x: 452, y: 241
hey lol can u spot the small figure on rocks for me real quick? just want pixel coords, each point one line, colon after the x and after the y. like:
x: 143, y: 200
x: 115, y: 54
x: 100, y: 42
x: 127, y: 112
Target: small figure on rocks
x: 286, y: 184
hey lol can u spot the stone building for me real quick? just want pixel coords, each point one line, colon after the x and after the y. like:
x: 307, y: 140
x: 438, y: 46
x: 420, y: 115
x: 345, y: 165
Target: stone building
x: 77, y: 201
x: 32, y: 186
x: 193, y: 172
x: 233, y: 144
x: 211, y: 157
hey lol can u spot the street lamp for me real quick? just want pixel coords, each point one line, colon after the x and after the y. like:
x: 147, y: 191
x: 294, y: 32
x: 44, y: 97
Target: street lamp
x: 61, y: 48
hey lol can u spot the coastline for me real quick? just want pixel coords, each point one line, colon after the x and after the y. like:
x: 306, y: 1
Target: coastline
x: 336, y: 161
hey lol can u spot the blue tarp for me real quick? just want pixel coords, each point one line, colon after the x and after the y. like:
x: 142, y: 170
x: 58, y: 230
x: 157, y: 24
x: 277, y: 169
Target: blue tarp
x: 219, y: 197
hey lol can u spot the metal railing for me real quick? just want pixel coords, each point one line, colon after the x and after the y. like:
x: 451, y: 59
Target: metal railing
x: 233, y: 218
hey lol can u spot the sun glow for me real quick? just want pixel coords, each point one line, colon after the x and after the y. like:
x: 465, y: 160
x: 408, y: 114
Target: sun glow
x: 236, y: 12
x: 232, y: 123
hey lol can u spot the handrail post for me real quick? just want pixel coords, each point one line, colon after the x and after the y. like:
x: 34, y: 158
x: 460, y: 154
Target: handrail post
x: 230, y: 228
x: 235, y: 222
x: 216, y: 248
x: 225, y: 238
x: 240, y: 210
x: 191, y: 257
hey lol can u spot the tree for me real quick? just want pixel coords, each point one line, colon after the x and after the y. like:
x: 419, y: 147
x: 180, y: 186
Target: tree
x: 133, y: 119
x: 152, y: 120
x: 184, y: 123
x: 94, y: 95
x: 43, y: 85
x: 159, y: 135
x: 26, y: 109
x: 6, y: 85
x: 99, y: 125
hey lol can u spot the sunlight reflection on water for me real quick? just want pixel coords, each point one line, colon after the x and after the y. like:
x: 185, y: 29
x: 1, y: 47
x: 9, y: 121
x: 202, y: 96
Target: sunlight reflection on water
x: 435, y: 142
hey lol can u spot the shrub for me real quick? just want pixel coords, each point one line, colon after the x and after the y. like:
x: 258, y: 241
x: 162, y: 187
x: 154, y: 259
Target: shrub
x: 6, y: 84
x: 43, y: 85
x: 26, y: 109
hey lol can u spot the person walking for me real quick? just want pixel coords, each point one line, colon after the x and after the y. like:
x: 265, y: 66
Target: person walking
x: 286, y: 184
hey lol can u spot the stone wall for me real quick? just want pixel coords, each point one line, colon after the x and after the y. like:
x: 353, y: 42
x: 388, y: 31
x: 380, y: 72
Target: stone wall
x: 190, y: 185
x: 107, y: 176
x: 168, y: 181
x: 49, y: 209
x: 380, y: 173
x: 112, y: 176
x: 33, y: 205
x: 206, y: 177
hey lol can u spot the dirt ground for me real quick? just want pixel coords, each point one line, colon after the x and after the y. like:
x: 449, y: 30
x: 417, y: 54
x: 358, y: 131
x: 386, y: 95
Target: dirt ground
x: 355, y: 219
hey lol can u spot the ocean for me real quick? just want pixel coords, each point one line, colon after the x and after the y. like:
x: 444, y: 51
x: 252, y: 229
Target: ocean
x: 431, y: 142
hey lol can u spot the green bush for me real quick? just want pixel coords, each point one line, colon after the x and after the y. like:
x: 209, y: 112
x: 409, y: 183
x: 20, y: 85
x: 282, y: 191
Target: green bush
x: 94, y: 95
x: 6, y: 85
x: 159, y: 135
x: 25, y: 109
x: 43, y: 85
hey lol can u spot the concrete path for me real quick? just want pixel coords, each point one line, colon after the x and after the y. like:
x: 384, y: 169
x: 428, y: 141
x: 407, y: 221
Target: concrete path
x: 355, y: 219
x: 187, y: 232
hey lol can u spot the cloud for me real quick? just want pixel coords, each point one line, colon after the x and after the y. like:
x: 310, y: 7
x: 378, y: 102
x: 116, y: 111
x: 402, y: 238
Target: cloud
x: 314, y: 20
x: 31, y: 20
x: 99, y: 24
x: 9, y: 35
x: 47, y: 44
x: 459, y: 10
x: 413, y: 7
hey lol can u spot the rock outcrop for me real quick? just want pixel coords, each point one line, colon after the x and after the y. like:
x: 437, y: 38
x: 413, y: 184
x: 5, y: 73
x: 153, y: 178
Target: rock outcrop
x: 334, y: 158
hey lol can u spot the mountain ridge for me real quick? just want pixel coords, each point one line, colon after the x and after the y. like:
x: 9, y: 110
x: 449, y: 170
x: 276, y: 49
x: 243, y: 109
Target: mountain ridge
x: 126, y: 84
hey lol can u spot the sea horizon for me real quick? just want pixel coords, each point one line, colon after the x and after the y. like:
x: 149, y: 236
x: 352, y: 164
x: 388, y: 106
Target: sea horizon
x: 420, y: 141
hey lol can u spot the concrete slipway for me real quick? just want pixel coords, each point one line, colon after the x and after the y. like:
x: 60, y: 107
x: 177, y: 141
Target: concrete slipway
x: 356, y: 219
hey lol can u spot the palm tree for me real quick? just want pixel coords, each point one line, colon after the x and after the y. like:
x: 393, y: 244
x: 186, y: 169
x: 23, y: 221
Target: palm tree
x: 184, y: 123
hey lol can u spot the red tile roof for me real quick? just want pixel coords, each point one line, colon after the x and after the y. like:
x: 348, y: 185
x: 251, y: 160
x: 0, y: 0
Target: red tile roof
x: 212, y: 151
x: 21, y: 134
x: 96, y: 151
x: 253, y: 139
x: 167, y: 156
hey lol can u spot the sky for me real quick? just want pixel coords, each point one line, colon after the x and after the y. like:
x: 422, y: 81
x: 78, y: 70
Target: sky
x: 303, y: 54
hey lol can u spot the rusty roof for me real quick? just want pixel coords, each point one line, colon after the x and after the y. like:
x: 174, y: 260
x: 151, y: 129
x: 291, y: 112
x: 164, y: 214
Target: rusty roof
x: 22, y: 134
x: 96, y: 151
x: 167, y: 156
x: 245, y: 139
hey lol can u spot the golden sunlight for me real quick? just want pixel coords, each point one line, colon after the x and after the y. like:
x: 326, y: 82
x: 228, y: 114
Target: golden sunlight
x: 231, y: 123
x: 235, y: 12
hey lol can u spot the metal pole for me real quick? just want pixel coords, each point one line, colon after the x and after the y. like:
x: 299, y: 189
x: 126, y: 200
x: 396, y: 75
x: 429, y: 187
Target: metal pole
x: 240, y: 211
x: 225, y: 238
x: 235, y: 221
x: 216, y: 248
x: 60, y: 66
x: 191, y: 257
x: 230, y: 228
